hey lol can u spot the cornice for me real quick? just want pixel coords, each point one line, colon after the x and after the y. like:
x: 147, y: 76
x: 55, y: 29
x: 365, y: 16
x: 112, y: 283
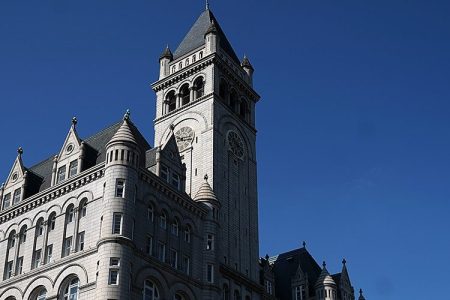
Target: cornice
x: 53, y: 192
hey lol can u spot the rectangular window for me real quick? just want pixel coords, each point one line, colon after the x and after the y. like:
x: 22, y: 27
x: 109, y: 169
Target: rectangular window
x: 37, y: 259
x: 114, y: 262
x: 210, y: 242
x: 61, y: 174
x: 150, y: 214
x: 186, y: 264
x: 210, y: 273
x: 174, y: 258
x: 7, y: 201
x: 49, y: 254
x: 17, y: 194
x: 162, y: 252
x: 120, y: 188
x: 73, y: 168
x: 164, y: 173
x: 117, y: 223
x: 67, y: 246
x: 113, y: 277
x: 9, y: 269
x: 149, y: 245
x: 81, y: 241
x: 176, y: 181
x: 163, y: 221
x: 19, y: 267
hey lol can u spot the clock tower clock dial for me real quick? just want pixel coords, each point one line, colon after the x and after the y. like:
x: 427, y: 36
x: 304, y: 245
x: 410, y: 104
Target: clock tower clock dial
x: 184, y: 137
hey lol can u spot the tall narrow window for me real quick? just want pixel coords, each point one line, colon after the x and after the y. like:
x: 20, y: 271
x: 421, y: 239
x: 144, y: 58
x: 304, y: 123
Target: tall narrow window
x: 171, y: 101
x: 120, y: 188
x: 185, y: 94
x: 9, y: 269
x: 71, y: 292
x: 52, y: 222
x: 175, y: 227
x: 150, y: 213
x: 83, y: 209
x: 81, y: 241
x: 70, y: 214
x: 163, y: 221
x: 174, y: 258
x: 17, y: 194
x: 149, y: 245
x: 199, y: 87
x: 12, y: 240
x: 67, y: 246
x: 37, y: 258
x: 210, y: 242
x: 23, y: 236
x: 73, y: 168
x: 49, y: 254
x: 117, y: 223
x: 176, y: 180
x: 61, y: 174
x: 162, y: 251
x: 186, y: 264
x: 7, y: 201
x: 210, y: 273
x: 113, y: 277
x: 40, y: 227
x: 187, y: 234
x: 19, y: 266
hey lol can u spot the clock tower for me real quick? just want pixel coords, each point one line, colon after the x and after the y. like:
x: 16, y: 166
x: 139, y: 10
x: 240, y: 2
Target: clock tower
x: 205, y: 98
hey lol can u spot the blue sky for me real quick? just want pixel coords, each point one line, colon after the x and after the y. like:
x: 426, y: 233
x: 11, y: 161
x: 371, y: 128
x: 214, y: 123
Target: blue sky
x: 354, y: 127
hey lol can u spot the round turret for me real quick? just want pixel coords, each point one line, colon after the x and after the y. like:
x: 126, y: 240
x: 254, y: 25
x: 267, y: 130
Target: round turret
x: 325, y: 285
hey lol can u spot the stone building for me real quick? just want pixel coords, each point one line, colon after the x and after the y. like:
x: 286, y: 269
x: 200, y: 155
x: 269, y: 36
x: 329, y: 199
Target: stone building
x: 110, y: 217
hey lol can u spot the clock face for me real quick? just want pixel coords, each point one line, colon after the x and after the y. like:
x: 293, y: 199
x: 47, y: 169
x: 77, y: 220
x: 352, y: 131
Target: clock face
x: 184, y: 137
x: 236, y: 144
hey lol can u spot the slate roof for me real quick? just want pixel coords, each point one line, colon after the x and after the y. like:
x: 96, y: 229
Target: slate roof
x: 95, y: 153
x: 285, y: 268
x: 195, y: 38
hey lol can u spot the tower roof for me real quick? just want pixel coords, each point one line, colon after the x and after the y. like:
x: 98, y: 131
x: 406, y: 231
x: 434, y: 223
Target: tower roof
x: 124, y: 133
x: 166, y: 53
x: 361, y: 296
x: 325, y: 277
x: 195, y: 38
x: 246, y: 63
x: 205, y: 192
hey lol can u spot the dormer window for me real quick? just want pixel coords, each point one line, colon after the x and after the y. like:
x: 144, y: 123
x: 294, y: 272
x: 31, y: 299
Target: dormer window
x: 7, y: 201
x: 73, y: 168
x: 17, y: 194
x: 61, y: 174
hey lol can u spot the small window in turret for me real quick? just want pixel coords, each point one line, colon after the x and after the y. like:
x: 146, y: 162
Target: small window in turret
x: 210, y: 242
x: 120, y: 188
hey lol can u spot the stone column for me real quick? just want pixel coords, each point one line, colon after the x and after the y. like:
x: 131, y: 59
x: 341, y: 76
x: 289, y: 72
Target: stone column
x: 75, y: 231
x: 192, y: 90
x: 16, y: 252
x: 44, y: 242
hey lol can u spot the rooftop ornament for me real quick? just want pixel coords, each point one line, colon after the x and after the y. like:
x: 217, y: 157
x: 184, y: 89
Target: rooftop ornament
x: 126, y: 116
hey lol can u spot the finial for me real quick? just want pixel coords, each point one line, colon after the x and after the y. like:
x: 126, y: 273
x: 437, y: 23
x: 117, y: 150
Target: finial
x: 126, y: 116
x: 304, y: 244
x: 20, y: 150
x: 206, y: 177
x: 207, y: 5
x: 74, y: 121
x: 360, y: 292
x: 344, y: 261
x: 267, y: 257
x: 324, y: 264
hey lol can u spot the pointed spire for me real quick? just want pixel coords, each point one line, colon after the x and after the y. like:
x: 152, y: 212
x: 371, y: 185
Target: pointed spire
x: 325, y: 277
x: 344, y: 262
x: 166, y: 54
x: 207, y: 5
x: 246, y: 63
x: 361, y: 296
x: 124, y: 133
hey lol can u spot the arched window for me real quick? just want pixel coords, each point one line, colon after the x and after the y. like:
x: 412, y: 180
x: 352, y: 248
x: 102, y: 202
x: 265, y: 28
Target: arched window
x: 40, y: 227
x: 199, y: 87
x: 23, y: 235
x: 52, y: 222
x: 243, y: 109
x: 71, y: 289
x: 194, y: 58
x: 175, y: 227
x: 187, y: 234
x: 39, y: 293
x: 174, y: 69
x: 171, y: 101
x: 200, y: 55
x: 12, y: 239
x: 163, y: 221
x: 187, y: 62
x: 180, y: 65
x: 185, y: 94
x: 223, y: 90
x: 69, y: 214
x: 150, y: 213
x: 150, y: 291
x: 83, y: 208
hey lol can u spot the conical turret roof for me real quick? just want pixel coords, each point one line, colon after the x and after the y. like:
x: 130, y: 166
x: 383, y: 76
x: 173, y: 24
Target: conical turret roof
x: 246, y: 63
x: 361, y: 296
x: 166, y: 53
x: 205, y: 192
x: 124, y: 133
x: 325, y: 277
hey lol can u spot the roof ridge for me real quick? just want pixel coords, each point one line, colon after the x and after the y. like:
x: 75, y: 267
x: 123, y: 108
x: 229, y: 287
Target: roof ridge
x: 101, y: 131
